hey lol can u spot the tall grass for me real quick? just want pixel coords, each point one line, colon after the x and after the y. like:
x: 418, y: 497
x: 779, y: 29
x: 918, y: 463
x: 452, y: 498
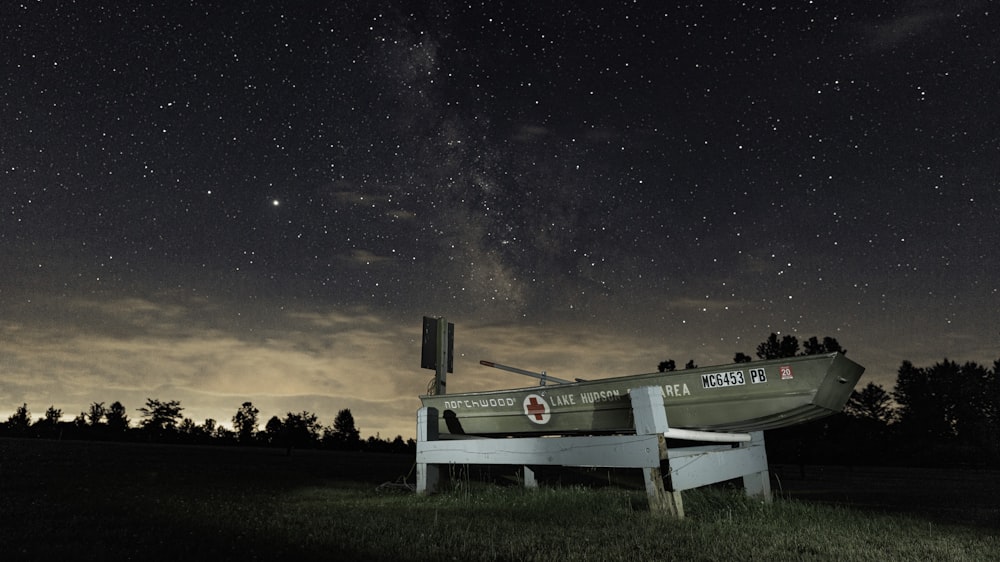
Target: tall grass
x: 103, y: 502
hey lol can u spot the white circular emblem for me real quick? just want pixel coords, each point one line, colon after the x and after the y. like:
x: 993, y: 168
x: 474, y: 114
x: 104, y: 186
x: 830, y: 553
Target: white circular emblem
x: 537, y: 409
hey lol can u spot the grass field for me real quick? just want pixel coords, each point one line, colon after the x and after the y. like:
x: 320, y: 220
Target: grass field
x: 108, y: 501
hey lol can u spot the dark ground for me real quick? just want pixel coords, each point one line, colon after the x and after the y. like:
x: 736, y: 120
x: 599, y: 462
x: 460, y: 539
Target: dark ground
x: 965, y: 495
x: 34, y: 473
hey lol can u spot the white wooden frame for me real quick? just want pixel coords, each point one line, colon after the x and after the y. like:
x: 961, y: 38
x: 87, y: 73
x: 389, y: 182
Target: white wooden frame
x: 687, y: 467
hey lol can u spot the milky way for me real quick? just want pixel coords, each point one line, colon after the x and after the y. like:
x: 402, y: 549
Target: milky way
x: 213, y: 203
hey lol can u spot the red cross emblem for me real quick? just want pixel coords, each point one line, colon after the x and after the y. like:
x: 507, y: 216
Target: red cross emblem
x: 537, y: 409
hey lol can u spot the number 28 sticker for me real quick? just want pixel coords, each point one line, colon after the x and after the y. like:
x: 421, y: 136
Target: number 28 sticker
x: 786, y: 372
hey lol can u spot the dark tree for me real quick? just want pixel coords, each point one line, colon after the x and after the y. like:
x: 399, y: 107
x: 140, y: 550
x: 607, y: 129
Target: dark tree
x: 224, y: 435
x: 20, y: 421
x: 343, y: 434
x: 209, y: 427
x: 96, y: 413
x: 273, y: 431
x: 300, y: 430
x: 871, y: 403
x: 833, y: 346
x: 398, y: 445
x: 815, y: 347
x: 48, y: 426
x: 993, y: 392
x: 690, y: 365
x: 667, y: 366
x: 772, y: 348
x: 245, y: 422
x: 949, y: 405
x: 926, y: 412
x: 52, y: 416
x: 992, y: 411
x: 741, y: 357
x: 116, y: 418
x: 188, y: 427
x: 812, y: 346
x: 160, y: 416
x: 973, y: 405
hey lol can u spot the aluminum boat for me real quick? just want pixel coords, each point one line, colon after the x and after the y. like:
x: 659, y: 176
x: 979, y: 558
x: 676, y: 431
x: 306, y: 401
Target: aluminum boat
x: 740, y: 397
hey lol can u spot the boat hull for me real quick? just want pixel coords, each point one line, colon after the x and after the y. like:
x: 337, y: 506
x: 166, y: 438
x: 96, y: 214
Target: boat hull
x: 732, y: 398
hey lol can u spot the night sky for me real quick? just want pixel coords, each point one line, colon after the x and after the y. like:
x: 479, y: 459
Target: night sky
x: 215, y: 201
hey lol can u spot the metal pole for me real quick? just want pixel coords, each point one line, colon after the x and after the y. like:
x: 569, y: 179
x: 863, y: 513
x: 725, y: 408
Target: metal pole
x: 441, y: 369
x: 541, y: 376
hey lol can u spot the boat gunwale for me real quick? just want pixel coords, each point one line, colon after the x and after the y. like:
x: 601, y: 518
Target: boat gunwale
x: 693, y: 372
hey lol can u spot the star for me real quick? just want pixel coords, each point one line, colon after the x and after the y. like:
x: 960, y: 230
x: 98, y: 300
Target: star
x: 567, y: 188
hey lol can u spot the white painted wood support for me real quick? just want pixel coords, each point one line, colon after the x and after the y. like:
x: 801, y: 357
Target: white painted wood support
x: 757, y: 479
x: 651, y: 419
x: 428, y: 475
x: 529, y: 477
x: 647, y: 407
x: 666, y: 472
x: 692, y: 467
x: 615, y: 451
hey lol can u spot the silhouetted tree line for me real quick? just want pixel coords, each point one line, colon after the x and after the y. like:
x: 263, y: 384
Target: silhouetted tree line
x: 945, y: 414
x: 163, y: 422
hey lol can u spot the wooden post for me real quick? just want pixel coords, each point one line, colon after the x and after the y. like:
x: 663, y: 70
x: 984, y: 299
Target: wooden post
x: 529, y: 478
x: 758, y: 483
x: 651, y: 419
x: 441, y: 352
x: 428, y: 475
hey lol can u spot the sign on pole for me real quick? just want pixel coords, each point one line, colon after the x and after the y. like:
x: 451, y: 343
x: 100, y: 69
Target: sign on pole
x: 437, y: 350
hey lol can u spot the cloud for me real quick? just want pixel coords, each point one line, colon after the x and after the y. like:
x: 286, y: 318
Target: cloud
x: 529, y: 133
x: 341, y: 358
x: 129, y: 349
x: 325, y: 358
x: 903, y: 28
x: 358, y: 198
x: 365, y: 257
x: 400, y: 214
